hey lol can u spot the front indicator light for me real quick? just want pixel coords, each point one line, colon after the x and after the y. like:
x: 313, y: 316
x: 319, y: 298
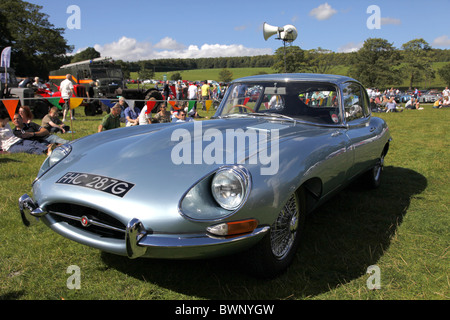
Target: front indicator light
x: 233, y: 228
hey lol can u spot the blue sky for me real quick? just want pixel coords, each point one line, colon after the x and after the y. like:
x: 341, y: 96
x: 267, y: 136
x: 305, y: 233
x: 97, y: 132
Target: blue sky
x: 134, y: 30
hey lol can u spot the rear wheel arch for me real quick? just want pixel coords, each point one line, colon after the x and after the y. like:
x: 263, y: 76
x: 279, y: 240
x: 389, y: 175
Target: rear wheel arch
x: 312, y: 193
x: 386, y: 148
x: 372, y: 177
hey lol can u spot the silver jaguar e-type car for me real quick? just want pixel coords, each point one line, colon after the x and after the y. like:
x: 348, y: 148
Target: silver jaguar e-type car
x: 278, y: 146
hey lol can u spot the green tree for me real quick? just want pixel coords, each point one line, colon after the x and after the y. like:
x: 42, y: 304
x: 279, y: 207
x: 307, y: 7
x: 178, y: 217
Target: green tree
x: 319, y: 60
x: 87, y: 54
x: 225, y: 75
x: 418, y: 62
x: 444, y: 73
x: 176, y: 76
x: 145, y: 74
x: 145, y: 71
x: 289, y: 59
x: 5, y: 36
x: 36, y: 45
x: 376, y: 63
x: 125, y: 68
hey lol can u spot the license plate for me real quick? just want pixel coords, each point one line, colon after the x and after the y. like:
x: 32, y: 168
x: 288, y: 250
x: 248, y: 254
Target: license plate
x: 112, y: 186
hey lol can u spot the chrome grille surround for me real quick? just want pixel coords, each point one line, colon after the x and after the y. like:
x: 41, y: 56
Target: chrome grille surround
x: 87, y: 219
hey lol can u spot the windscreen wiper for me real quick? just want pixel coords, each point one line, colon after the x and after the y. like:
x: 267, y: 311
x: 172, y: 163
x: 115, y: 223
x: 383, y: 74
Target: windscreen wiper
x: 270, y: 114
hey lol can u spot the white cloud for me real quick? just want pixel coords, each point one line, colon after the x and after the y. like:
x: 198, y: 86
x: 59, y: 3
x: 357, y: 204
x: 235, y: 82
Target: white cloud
x: 442, y: 41
x: 323, y: 12
x: 385, y: 21
x: 169, y: 44
x: 350, y: 47
x: 129, y: 49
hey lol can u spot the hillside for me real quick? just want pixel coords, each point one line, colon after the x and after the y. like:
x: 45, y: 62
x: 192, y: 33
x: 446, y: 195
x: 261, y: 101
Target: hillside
x: 213, y: 74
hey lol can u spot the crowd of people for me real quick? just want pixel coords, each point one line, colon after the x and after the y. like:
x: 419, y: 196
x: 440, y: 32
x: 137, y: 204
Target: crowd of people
x: 131, y: 115
x: 128, y: 113
x: 444, y: 100
x: 194, y: 90
x: 388, y: 101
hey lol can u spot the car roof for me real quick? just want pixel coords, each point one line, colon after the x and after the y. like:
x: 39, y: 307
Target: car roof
x: 297, y: 77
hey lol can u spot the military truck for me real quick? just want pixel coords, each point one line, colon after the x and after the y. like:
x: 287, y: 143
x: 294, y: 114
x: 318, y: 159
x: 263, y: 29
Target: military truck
x: 105, y: 79
x: 27, y: 95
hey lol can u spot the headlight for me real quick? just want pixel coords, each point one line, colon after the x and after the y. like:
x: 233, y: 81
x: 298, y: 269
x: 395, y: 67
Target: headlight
x: 57, y: 155
x: 229, y: 187
x: 217, y: 195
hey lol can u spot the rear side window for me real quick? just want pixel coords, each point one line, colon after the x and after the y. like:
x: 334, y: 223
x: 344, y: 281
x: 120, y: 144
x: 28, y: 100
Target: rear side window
x: 356, y: 104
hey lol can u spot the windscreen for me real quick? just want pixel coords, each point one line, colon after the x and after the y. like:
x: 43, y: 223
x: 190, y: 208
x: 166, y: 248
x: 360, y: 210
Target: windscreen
x: 103, y: 73
x: 312, y: 102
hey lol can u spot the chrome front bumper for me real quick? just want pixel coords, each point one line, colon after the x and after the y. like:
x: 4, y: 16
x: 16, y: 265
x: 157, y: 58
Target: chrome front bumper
x: 141, y: 243
x: 29, y: 211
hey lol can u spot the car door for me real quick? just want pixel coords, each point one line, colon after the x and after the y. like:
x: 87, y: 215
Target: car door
x: 359, y: 131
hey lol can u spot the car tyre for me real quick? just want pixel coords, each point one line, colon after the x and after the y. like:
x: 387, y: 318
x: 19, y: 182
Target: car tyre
x: 275, y: 252
x: 372, y: 178
x: 90, y: 109
x: 153, y: 93
x: 40, y: 109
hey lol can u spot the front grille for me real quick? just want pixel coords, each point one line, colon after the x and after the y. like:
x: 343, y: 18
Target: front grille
x: 100, y: 223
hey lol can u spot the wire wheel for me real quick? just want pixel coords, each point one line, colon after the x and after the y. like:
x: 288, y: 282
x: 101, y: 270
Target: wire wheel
x: 284, y: 230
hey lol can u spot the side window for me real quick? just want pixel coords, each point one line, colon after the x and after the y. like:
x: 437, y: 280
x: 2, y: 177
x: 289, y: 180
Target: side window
x: 366, y: 103
x: 355, y: 101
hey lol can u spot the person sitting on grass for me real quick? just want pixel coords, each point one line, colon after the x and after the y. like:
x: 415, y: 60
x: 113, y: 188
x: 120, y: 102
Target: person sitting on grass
x: 183, y: 118
x: 26, y: 114
x: 162, y: 116
x: 438, y: 103
x: 391, y: 106
x: 111, y: 120
x: 132, y: 115
x: 33, y: 131
x: 9, y: 143
x: 413, y: 104
x: 52, y: 123
x: 446, y: 102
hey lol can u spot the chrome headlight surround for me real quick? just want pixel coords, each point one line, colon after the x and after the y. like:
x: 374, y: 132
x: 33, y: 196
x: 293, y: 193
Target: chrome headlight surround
x: 199, y: 202
x: 56, y: 156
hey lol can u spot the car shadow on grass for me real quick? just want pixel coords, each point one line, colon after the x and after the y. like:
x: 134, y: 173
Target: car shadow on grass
x: 5, y: 160
x: 341, y: 239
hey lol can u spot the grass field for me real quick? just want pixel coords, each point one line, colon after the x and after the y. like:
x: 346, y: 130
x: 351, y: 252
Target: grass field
x: 401, y: 227
x: 208, y: 74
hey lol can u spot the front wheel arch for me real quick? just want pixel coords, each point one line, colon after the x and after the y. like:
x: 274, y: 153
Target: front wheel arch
x: 270, y: 257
